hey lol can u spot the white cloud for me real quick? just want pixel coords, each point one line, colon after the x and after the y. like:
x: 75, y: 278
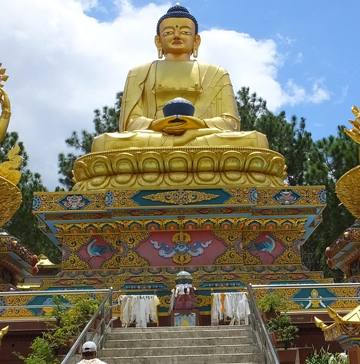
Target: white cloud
x: 343, y: 95
x: 284, y: 40
x: 295, y: 94
x: 88, y: 4
x: 63, y: 64
x: 299, y: 58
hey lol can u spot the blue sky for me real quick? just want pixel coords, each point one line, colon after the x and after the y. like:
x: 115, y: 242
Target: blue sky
x: 318, y: 40
x: 67, y: 57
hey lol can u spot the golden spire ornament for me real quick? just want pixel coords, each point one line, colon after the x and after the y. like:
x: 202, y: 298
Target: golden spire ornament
x: 5, y: 105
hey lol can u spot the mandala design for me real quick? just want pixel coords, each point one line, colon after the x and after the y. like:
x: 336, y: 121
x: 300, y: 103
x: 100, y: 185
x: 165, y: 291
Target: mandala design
x: 181, y: 197
x: 36, y: 203
x: 286, y: 197
x: 322, y: 196
x: 253, y: 195
x: 74, y: 202
x: 109, y: 199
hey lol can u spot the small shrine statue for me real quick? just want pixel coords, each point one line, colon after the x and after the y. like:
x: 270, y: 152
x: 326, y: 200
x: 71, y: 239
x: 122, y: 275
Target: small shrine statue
x: 183, y: 296
x: 144, y: 123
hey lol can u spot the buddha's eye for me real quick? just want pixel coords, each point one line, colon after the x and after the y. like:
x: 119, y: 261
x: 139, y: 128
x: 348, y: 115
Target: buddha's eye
x: 185, y: 32
x: 168, y: 33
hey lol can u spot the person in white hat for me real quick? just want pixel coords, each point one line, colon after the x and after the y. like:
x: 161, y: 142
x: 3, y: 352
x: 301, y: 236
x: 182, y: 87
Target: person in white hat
x: 89, y: 353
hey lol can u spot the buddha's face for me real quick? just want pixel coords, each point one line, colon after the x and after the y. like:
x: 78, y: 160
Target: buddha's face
x: 177, y: 36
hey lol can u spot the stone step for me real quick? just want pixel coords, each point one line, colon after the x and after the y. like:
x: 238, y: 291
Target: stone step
x: 248, y: 358
x: 183, y: 328
x: 141, y: 334
x: 180, y: 350
x: 170, y: 342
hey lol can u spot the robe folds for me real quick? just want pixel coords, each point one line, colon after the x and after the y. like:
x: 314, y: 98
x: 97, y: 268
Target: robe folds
x: 215, y: 104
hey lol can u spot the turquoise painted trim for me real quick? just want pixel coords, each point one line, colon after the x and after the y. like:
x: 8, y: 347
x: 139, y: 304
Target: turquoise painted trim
x: 138, y: 197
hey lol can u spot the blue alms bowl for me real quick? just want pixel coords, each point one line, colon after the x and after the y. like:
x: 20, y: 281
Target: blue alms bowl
x: 179, y: 106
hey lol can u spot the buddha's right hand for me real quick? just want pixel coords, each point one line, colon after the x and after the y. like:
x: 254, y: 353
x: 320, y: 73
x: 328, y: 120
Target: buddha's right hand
x: 163, y: 123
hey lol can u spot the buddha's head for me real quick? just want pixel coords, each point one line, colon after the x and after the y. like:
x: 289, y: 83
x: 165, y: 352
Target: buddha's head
x: 177, y: 34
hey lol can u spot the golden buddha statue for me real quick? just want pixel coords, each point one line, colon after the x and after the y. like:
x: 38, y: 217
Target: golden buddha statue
x: 168, y: 150
x: 149, y: 87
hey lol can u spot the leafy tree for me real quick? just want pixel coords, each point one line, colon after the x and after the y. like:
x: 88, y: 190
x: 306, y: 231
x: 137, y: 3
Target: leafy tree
x: 23, y: 225
x: 288, y: 138
x: 105, y: 121
x: 331, y: 158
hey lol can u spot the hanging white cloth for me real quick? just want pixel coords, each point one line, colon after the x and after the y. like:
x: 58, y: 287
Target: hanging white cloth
x: 140, y: 309
x: 230, y: 305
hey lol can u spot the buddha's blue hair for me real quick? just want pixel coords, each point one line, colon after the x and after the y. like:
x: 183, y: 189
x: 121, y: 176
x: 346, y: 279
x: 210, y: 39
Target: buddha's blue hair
x: 177, y: 11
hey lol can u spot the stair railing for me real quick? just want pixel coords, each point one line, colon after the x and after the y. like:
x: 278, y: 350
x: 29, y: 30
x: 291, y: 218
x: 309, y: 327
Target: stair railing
x: 105, y: 311
x: 267, y: 350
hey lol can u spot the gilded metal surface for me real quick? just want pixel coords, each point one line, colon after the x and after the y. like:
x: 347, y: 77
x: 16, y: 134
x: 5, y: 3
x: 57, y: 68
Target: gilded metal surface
x: 10, y: 200
x: 8, y: 169
x: 181, y: 197
x: 168, y: 167
x: 343, y: 327
x: 354, y: 133
x: 5, y: 105
x: 10, y: 195
x: 348, y: 189
x: 215, y: 118
x: 3, y: 331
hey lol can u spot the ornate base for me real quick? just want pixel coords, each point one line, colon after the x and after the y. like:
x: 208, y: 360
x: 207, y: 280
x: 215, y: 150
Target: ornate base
x: 167, y: 167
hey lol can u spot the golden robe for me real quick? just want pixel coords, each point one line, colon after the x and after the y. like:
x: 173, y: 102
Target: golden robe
x: 214, y: 102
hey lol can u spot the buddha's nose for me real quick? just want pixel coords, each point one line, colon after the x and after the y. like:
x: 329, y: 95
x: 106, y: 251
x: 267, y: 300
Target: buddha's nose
x: 177, y: 33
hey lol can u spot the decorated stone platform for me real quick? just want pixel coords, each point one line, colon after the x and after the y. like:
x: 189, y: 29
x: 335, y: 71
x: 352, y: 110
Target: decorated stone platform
x: 234, y: 235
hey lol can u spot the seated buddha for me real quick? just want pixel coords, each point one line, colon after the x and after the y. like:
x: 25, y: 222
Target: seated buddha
x: 148, y: 88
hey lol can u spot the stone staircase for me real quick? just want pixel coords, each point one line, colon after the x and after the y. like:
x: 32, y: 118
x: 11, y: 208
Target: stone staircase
x: 181, y: 345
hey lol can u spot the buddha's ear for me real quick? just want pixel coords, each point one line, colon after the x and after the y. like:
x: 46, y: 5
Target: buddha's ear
x: 157, y: 41
x: 197, y: 40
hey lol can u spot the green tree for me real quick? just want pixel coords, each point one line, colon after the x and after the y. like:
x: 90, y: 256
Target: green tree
x: 24, y: 225
x: 288, y: 138
x: 105, y: 121
x: 331, y: 158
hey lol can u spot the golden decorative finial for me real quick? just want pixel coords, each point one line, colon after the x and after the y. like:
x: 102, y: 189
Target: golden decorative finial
x: 5, y: 105
x: 8, y: 169
x: 177, y: 4
x: 3, y: 332
x: 334, y: 315
x: 354, y: 133
x: 320, y: 323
